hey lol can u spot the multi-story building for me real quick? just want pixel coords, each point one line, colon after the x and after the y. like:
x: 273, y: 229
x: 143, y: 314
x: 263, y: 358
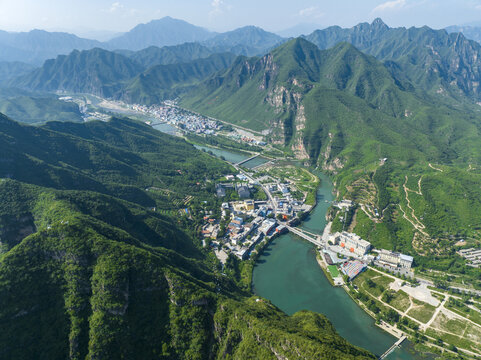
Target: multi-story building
x: 395, y: 259
x: 352, y: 242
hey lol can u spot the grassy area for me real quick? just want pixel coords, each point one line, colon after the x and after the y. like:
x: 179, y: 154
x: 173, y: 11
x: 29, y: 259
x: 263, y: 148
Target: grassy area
x: 372, y: 282
x: 463, y: 310
x: 400, y: 301
x: 458, y: 341
x: 421, y: 311
x: 333, y: 270
x: 305, y: 182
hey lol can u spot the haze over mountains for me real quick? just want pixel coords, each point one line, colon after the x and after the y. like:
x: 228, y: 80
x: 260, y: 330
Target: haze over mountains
x: 95, y: 235
x: 36, y: 46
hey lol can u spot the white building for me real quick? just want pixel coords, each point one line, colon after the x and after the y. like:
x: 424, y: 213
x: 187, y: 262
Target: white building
x: 395, y: 259
x: 267, y: 225
x: 352, y: 243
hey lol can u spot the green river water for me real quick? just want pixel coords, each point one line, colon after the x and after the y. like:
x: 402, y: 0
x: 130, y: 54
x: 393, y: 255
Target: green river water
x: 288, y: 274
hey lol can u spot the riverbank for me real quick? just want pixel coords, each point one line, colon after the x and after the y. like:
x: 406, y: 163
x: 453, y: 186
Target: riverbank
x: 323, y: 267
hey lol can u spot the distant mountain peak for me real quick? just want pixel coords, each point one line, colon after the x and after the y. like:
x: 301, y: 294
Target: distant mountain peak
x: 161, y: 32
x: 378, y: 23
x: 295, y: 44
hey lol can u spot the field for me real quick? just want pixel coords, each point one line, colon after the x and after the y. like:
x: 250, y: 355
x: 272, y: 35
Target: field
x: 333, y: 270
x: 372, y: 282
x: 400, y: 301
x: 305, y: 182
x: 421, y: 311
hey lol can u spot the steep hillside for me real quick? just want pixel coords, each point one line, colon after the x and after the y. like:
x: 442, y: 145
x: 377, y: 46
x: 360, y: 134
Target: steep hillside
x: 433, y: 60
x: 273, y: 86
x: 86, y: 274
x: 95, y: 71
x: 163, y: 32
x: 169, y: 54
x: 345, y: 111
x: 113, y: 75
x: 163, y: 82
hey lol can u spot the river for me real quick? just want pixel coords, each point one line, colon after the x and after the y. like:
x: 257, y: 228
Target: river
x: 288, y: 274
x: 235, y: 157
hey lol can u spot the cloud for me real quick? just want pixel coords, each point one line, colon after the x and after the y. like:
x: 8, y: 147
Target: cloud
x: 312, y: 12
x: 115, y: 7
x: 390, y: 6
x: 218, y: 7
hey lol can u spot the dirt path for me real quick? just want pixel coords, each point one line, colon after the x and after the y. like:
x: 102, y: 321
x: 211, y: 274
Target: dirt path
x: 420, y: 192
x: 411, y: 305
x: 435, y: 168
x: 372, y: 218
x: 436, y: 312
x: 418, y: 225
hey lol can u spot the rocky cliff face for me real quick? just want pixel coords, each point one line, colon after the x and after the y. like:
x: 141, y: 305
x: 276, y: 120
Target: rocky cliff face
x: 431, y: 59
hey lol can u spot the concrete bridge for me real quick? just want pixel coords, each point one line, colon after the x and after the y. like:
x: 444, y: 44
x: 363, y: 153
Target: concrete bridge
x: 313, y: 238
x: 246, y: 160
x: 393, y: 347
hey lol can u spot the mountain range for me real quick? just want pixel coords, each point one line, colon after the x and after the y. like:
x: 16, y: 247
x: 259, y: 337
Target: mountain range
x: 411, y: 94
x: 433, y: 60
x: 470, y: 32
x: 89, y: 268
x: 36, y: 46
x: 344, y: 110
x: 99, y: 257
x: 146, y: 75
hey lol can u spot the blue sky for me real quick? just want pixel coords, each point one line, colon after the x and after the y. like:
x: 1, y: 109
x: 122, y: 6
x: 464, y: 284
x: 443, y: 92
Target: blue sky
x: 222, y: 15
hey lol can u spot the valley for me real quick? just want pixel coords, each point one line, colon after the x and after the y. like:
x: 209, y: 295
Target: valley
x: 248, y: 237
x: 179, y: 193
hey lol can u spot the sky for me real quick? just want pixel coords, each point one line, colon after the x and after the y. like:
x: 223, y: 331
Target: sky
x: 80, y: 16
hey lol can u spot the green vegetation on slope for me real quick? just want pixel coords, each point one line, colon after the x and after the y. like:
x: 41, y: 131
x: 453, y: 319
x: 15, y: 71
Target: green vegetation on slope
x: 32, y: 110
x: 346, y: 112
x: 90, y: 271
x: 162, y: 82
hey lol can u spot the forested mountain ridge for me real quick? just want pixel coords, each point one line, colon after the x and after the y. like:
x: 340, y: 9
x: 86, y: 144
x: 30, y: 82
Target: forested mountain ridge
x: 36, y: 46
x: 247, y: 40
x: 433, y: 60
x: 87, y: 266
x: 344, y: 111
x: 166, y: 55
x: 95, y: 71
x: 163, y: 82
x: 136, y: 77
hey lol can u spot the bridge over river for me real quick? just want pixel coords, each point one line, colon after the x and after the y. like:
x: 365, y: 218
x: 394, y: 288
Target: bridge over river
x: 248, y: 159
x: 316, y: 239
x: 306, y: 235
x: 393, y: 347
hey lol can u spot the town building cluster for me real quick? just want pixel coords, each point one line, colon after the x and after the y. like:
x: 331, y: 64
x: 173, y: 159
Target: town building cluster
x: 472, y: 255
x: 170, y: 114
x: 247, y: 225
x: 344, y: 245
x: 246, y: 222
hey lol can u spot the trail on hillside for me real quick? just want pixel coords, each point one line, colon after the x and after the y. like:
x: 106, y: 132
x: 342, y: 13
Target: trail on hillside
x: 435, y: 168
x: 418, y: 225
